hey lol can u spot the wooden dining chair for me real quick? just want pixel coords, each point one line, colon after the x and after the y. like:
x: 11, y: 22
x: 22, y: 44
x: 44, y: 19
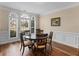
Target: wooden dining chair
x: 39, y: 31
x: 24, y: 43
x: 41, y: 43
x: 49, y: 40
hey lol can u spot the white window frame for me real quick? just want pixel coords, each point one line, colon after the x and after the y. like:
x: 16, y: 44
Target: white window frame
x: 10, y: 17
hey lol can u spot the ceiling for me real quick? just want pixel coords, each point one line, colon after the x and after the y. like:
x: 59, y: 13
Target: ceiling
x: 38, y: 7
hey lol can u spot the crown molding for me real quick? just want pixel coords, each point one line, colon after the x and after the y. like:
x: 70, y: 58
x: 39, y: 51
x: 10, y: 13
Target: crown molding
x: 61, y: 9
x: 17, y: 10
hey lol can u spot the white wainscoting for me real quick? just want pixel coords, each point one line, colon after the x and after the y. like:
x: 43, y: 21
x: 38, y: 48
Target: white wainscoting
x: 4, y: 37
x: 67, y: 38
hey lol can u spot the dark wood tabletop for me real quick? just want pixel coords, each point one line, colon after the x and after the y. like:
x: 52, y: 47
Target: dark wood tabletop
x: 38, y: 36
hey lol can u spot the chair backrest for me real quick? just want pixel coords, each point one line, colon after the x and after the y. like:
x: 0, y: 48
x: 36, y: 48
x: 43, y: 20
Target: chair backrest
x: 42, y: 41
x: 51, y: 35
x: 39, y: 31
x: 27, y: 33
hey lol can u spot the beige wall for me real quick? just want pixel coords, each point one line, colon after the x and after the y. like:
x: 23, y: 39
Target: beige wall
x: 69, y: 20
x: 4, y: 22
x: 4, y: 19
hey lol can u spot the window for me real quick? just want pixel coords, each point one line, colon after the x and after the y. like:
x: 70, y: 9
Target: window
x: 24, y: 22
x: 13, y: 17
x: 32, y: 25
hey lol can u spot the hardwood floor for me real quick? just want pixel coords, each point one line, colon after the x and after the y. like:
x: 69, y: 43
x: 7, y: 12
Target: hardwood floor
x: 67, y: 49
x: 13, y: 49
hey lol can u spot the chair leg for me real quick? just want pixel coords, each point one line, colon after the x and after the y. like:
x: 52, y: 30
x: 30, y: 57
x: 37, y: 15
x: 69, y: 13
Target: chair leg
x: 23, y: 51
x: 21, y: 47
x: 51, y: 46
x: 45, y: 51
x: 32, y: 46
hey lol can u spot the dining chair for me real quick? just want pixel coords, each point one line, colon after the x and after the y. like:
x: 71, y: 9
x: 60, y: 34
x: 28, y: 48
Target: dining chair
x: 24, y: 43
x: 49, y: 40
x: 39, y: 31
x: 41, y: 43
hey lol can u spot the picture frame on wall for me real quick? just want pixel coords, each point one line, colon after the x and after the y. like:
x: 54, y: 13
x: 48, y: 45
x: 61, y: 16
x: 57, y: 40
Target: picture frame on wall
x: 55, y: 21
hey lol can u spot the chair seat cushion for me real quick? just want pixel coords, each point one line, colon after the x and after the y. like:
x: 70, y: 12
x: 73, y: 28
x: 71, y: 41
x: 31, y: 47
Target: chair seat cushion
x: 27, y: 42
x: 26, y: 36
x: 39, y: 46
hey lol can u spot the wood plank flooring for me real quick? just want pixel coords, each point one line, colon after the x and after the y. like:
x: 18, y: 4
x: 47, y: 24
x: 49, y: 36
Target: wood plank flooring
x: 13, y: 49
x: 67, y: 49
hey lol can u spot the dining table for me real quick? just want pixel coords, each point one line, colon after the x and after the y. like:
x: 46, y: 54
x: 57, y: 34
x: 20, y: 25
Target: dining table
x: 38, y: 36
